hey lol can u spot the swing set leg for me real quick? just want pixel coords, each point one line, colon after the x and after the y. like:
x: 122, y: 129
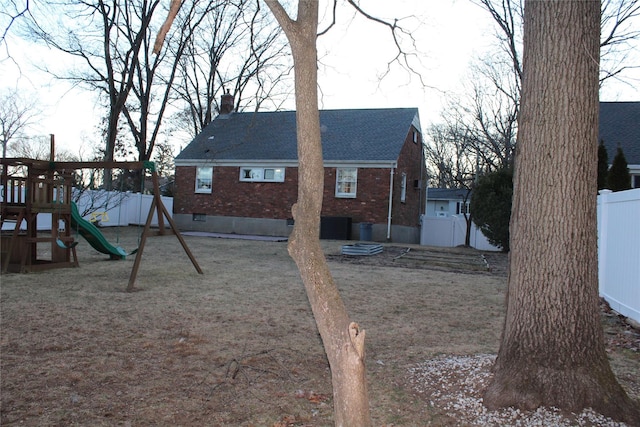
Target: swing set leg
x: 162, y: 213
x: 175, y: 230
x: 143, y: 239
x: 145, y: 233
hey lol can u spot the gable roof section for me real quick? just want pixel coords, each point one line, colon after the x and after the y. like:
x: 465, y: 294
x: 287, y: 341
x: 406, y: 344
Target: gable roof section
x: 446, y: 193
x: 620, y: 126
x: 356, y: 136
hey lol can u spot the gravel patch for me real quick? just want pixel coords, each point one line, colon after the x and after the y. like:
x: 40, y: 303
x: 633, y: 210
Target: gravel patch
x: 455, y: 383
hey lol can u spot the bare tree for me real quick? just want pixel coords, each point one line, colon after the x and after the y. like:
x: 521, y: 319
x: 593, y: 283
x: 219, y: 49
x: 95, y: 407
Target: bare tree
x: 439, y: 156
x: 163, y: 158
x: 343, y: 340
x: 98, y: 33
x: 552, y: 349
x: 16, y: 115
x: 37, y: 147
x: 508, y: 16
x: 619, y: 29
x: 618, y: 32
x: 155, y: 76
x: 113, y: 40
x: 452, y: 159
x: 491, y: 108
x: 238, y: 49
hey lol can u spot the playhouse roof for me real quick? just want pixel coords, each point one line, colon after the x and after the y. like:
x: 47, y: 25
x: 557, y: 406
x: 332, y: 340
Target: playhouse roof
x: 356, y: 135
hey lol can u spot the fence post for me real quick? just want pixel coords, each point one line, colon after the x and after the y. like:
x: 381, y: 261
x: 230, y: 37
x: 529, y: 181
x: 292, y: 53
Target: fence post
x: 603, y: 223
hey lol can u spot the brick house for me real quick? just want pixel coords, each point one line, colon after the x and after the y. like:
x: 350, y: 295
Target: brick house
x: 240, y: 175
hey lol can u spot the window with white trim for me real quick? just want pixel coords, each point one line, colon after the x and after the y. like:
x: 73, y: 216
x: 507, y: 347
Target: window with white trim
x: 462, y: 208
x: 403, y: 188
x: 204, y: 179
x: 346, y: 182
x: 252, y: 174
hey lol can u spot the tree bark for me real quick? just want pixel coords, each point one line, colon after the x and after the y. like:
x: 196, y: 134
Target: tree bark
x: 552, y: 350
x: 343, y: 340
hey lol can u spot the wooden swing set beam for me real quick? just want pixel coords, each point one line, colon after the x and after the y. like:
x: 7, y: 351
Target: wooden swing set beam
x: 65, y: 166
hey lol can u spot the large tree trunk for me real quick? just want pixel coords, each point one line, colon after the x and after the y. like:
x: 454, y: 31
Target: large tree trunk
x: 552, y: 351
x: 343, y: 340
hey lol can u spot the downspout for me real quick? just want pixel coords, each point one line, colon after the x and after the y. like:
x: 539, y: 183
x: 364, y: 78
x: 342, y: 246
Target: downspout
x: 390, y: 203
x: 420, y: 190
x: 426, y: 182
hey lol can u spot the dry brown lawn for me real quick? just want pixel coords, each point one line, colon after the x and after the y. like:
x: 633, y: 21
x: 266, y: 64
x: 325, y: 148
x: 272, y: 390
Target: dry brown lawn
x: 238, y: 346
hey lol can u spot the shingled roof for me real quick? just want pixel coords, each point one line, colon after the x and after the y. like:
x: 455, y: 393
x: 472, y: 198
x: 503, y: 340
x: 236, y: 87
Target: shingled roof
x: 362, y: 135
x: 447, y: 193
x: 620, y: 126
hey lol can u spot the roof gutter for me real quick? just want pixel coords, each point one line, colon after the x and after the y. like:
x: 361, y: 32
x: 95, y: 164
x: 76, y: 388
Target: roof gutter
x: 390, y: 202
x: 372, y: 164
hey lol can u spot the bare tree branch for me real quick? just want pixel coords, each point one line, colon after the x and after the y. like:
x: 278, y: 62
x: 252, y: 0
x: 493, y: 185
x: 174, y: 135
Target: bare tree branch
x: 616, y: 28
x: 19, y: 11
x: 218, y: 60
x: 333, y: 19
x: 174, y: 7
x: 507, y: 14
x: 397, y: 33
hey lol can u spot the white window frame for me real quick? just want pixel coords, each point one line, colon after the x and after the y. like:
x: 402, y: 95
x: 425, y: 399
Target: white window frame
x: 403, y: 188
x: 462, y: 207
x: 204, y: 179
x: 262, y: 174
x: 341, y: 182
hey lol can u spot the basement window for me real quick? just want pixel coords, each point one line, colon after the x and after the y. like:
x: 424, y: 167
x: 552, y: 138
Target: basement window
x: 199, y: 217
x: 255, y: 174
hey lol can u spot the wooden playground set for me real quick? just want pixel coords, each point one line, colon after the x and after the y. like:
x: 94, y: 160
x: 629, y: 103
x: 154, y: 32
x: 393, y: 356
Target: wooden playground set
x: 45, y: 187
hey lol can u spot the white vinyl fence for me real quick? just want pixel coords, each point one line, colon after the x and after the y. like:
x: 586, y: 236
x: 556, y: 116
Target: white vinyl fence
x: 109, y: 209
x: 618, y: 246
x: 619, y: 250
x: 120, y: 209
x: 450, y: 232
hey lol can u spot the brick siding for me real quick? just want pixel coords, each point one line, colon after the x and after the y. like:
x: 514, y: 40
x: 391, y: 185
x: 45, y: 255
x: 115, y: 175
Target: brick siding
x: 409, y: 162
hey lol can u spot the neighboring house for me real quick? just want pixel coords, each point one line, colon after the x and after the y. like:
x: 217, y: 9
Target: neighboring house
x: 620, y: 127
x: 240, y: 174
x: 444, y: 202
x: 445, y: 224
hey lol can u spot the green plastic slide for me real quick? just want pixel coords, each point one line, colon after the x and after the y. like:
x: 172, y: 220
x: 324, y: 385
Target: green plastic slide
x: 92, y: 234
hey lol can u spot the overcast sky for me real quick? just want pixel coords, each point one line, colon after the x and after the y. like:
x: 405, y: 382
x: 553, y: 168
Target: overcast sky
x: 448, y: 33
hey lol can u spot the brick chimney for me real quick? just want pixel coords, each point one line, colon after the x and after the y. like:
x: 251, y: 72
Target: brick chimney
x: 226, y: 103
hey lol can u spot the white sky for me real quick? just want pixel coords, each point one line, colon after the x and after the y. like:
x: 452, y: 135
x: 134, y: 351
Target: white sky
x: 352, y: 57
x: 449, y: 35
